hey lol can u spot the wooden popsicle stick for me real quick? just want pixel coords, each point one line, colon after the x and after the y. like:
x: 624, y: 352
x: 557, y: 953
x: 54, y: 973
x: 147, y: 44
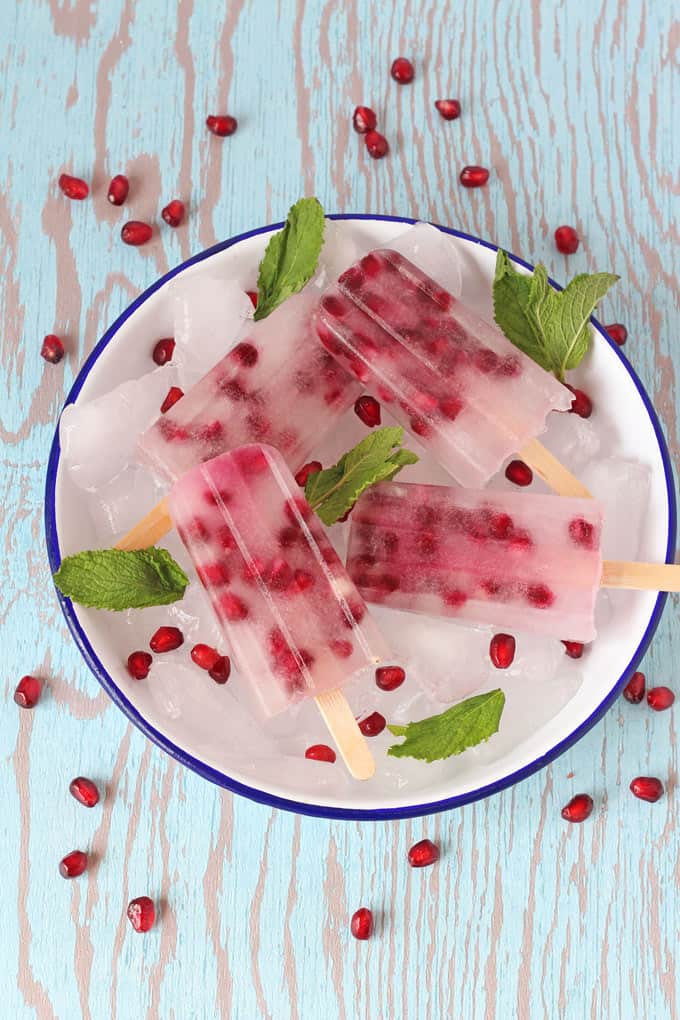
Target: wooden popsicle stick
x: 148, y: 531
x: 640, y: 576
x: 546, y: 466
x: 345, y: 731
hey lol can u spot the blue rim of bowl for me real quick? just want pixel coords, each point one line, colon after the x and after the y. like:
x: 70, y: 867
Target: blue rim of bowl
x: 252, y: 793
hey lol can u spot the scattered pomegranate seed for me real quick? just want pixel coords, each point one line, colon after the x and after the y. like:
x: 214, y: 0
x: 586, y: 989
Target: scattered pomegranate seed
x: 519, y: 473
x: 373, y: 724
x: 647, y: 788
x: 73, y: 865
x: 634, y: 691
x: 474, y: 176
x: 617, y: 332
x: 171, y: 397
x: 204, y: 656
x: 222, y: 126
x: 135, y: 232
x: 566, y: 240
x: 376, y: 144
x: 361, y: 924
x: 320, y: 752
x: 27, y: 693
x: 660, y: 698
x: 578, y: 809
x: 581, y: 405
x: 221, y: 670
x: 163, y: 350
x: 252, y: 294
x: 502, y: 650
x: 448, y: 108
x: 84, y: 791
x: 166, y: 639
x: 574, y: 649
x: 402, y: 71
x: 364, y: 119
x: 141, y: 913
x: 367, y: 409
x: 173, y: 213
x: 52, y: 349
x: 139, y: 664
x: 73, y: 187
x: 118, y: 189
x: 306, y: 470
x: 388, y: 678
x: 424, y: 853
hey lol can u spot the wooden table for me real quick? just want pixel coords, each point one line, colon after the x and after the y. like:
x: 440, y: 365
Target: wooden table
x: 572, y: 105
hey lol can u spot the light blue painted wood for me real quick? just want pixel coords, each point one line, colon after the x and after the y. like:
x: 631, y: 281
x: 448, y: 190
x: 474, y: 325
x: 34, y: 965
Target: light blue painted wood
x: 571, y: 104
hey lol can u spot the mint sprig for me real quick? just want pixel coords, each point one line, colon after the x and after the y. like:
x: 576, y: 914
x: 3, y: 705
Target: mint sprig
x: 550, y: 326
x: 113, y: 579
x: 377, y: 458
x: 451, y: 732
x: 291, y: 256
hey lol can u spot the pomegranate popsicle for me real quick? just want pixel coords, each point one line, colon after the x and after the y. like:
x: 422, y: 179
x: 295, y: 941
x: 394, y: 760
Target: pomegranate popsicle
x: 446, y: 375
x: 526, y: 563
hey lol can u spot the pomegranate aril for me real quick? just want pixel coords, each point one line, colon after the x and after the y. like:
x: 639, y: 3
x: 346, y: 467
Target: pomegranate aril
x: 373, y: 724
x: 566, y: 240
x: 52, y: 349
x: 540, y: 595
x: 73, y: 187
x: 647, y: 788
x: 364, y: 119
x: 422, y: 854
x: 163, y: 350
x: 73, y: 865
x: 402, y: 71
x: 141, y: 913
x: 233, y: 608
x: 617, y: 332
x: 502, y: 650
x: 246, y: 354
x: 306, y: 470
x: 204, y: 656
x: 84, y: 791
x: 448, y: 108
x: 634, y: 691
x: 376, y: 144
x: 578, y: 809
x: 172, y: 396
x: 221, y: 125
x: 320, y: 752
x: 27, y: 692
x: 173, y: 212
x: 574, y: 649
x: 367, y: 409
x: 166, y: 639
x: 341, y: 648
x: 252, y: 294
x: 135, y: 232
x: 361, y: 924
x: 221, y: 670
x: 581, y: 405
x: 388, y: 678
x: 139, y: 664
x: 519, y: 473
x: 474, y: 176
x: 118, y: 189
x: 660, y: 698
x: 582, y: 532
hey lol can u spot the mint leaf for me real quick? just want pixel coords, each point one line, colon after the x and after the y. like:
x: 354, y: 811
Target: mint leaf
x: 510, y: 307
x: 440, y: 736
x: 113, y: 579
x: 291, y: 256
x: 335, y: 490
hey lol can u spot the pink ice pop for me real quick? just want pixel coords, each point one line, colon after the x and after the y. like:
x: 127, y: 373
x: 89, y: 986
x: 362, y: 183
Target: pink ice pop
x: 295, y: 623
x: 517, y: 561
x: 449, y: 377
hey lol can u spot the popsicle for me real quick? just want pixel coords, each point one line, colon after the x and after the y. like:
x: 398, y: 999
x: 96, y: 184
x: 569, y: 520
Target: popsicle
x: 517, y: 561
x: 295, y: 623
x: 450, y: 378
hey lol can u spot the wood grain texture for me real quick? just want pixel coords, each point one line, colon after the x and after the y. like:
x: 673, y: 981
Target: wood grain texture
x: 571, y: 103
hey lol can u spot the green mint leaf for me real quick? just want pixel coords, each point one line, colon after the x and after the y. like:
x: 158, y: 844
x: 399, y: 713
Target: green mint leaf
x: 291, y: 256
x: 440, y: 736
x: 335, y: 490
x: 510, y: 308
x: 113, y: 579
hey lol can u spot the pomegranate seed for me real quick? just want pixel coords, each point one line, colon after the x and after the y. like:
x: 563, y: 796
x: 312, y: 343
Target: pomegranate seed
x: 73, y: 187
x: 172, y: 396
x: 320, y: 752
x: 84, y: 791
x: 118, y: 189
x: 367, y: 409
x: 448, y: 108
x: 578, y: 809
x: 502, y: 650
x: 364, y: 119
x: 139, y: 664
x: 141, y: 913
x: 660, y: 698
x: 306, y: 470
x: 647, y: 788
x: 52, y: 349
x: 474, y: 176
x: 388, y: 678
x: 376, y: 144
x: 221, y: 670
x: 566, y: 240
x: 373, y: 724
x: 574, y: 649
x: 204, y: 656
x: 252, y: 294
x: 361, y: 924
x: 27, y: 693
x: 135, y: 232
x: 173, y: 213
x: 424, y: 853
x: 73, y: 865
x: 617, y: 332
x: 402, y: 71
x: 233, y: 608
x: 164, y: 350
x: 166, y: 639
x: 634, y: 691
x: 519, y: 473
x: 582, y: 532
x: 581, y: 405
x: 222, y: 126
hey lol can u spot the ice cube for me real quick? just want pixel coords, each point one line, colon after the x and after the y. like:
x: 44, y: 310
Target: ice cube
x: 210, y: 312
x: 340, y: 249
x: 622, y: 486
x: 120, y: 503
x: 433, y: 252
x: 573, y: 440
